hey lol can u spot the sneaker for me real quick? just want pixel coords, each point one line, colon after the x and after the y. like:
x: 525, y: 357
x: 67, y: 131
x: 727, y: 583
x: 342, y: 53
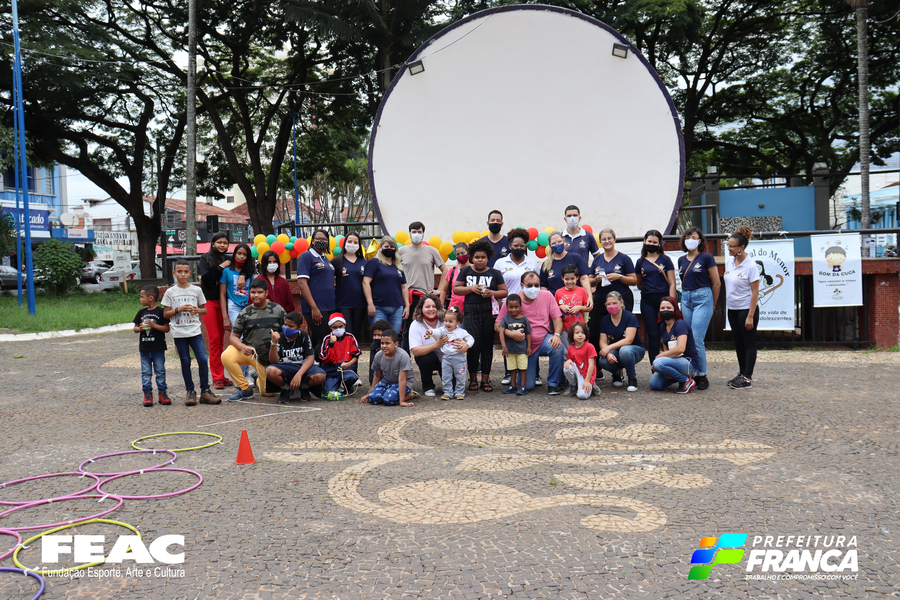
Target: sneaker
x: 505, y: 380
x: 429, y: 393
x: 702, y: 382
x: 553, y: 391
x: 461, y: 397
x: 599, y: 375
x: 567, y: 392
x: 618, y: 379
x: 445, y: 397
x: 740, y: 384
x: 595, y: 390
x: 510, y: 390
x: 240, y: 394
x: 305, y: 395
x: 521, y: 392
x: 208, y: 397
x: 164, y: 399
x: 686, y: 386
x: 219, y: 384
x: 538, y: 380
x: 632, y: 384
x: 354, y: 387
x: 285, y: 395
x: 148, y: 399
x: 191, y: 399
x: 227, y: 382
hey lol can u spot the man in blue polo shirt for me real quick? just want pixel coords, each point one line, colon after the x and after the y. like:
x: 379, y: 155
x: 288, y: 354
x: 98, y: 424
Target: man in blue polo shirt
x: 578, y: 240
x: 315, y: 275
x: 496, y: 238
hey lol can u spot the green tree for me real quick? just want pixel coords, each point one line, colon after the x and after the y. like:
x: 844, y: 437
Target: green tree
x: 58, y: 266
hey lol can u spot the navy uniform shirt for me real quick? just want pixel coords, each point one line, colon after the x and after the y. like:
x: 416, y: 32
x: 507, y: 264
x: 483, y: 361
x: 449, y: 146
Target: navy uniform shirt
x: 319, y: 274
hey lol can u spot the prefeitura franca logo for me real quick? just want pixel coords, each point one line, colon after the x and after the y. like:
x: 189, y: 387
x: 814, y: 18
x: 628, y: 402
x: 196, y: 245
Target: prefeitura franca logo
x: 711, y: 552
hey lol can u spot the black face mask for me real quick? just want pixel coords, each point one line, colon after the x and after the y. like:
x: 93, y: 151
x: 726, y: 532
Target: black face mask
x: 651, y: 248
x: 518, y: 252
x: 321, y: 246
x: 667, y: 314
x: 388, y: 252
x: 495, y: 227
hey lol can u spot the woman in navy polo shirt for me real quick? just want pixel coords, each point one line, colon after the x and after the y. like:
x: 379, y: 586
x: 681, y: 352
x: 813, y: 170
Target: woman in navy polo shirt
x: 656, y: 280
x: 613, y: 271
x: 315, y: 274
x: 677, y: 363
x: 700, y: 285
x: 349, y: 268
x: 620, y: 344
x: 559, y: 257
x: 384, y: 285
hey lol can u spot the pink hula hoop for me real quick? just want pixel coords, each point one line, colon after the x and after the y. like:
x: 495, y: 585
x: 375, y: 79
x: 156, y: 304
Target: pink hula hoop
x: 79, y: 474
x: 96, y: 458
x: 73, y: 521
x: 13, y: 549
x: 168, y: 495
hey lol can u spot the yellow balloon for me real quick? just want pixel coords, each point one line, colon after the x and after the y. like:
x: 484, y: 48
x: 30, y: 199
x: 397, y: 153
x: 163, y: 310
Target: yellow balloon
x: 262, y: 247
x: 445, y: 249
x: 285, y: 256
x: 485, y: 233
x: 473, y: 239
x: 458, y: 236
x: 259, y: 239
x: 331, y: 243
x: 550, y: 229
x: 284, y: 238
x: 402, y: 237
x: 435, y: 242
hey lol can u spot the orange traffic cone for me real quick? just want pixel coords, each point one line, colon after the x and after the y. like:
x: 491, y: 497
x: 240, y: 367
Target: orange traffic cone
x: 245, y: 452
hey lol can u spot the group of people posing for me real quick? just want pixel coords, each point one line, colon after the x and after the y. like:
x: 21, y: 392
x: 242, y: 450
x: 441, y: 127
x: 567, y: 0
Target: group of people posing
x: 575, y: 308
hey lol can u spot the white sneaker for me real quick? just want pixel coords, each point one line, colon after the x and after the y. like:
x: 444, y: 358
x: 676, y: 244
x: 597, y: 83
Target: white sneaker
x: 538, y: 381
x: 567, y: 392
x: 505, y: 380
x: 429, y: 393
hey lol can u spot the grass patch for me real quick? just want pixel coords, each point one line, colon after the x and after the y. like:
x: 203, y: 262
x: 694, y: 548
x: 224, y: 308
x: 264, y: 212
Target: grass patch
x: 78, y: 311
x: 877, y: 350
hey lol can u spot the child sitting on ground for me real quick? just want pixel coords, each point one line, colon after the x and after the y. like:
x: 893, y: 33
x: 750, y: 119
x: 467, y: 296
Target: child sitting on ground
x: 453, y: 364
x: 394, y: 373
x: 515, y: 339
x: 292, y: 362
x: 377, y: 328
x: 338, y: 356
x: 152, y: 326
x: 581, y: 367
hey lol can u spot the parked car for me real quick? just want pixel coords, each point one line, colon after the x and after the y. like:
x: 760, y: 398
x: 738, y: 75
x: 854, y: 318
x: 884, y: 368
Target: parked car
x: 111, y: 279
x: 92, y: 270
x: 8, y: 277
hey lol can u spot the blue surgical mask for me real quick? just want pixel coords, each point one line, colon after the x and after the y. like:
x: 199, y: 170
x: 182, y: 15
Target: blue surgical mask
x: 288, y: 331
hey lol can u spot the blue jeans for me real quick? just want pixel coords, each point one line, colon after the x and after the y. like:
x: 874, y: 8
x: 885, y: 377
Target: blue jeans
x: 333, y: 377
x: 387, y: 393
x: 150, y: 362
x: 628, y: 356
x: 554, y: 373
x: 670, y: 370
x: 697, y: 307
x: 391, y: 314
x: 184, y: 346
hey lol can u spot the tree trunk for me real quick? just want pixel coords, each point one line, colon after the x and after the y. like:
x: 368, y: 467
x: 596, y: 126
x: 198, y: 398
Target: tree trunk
x: 864, y: 143
x: 148, y: 230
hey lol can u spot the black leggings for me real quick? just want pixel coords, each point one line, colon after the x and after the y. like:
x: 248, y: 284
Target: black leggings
x: 650, y: 312
x: 318, y: 332
x: 744, y: 340
x: 479, y: 322
x: 428, y: 364
x: 599, y: 311
x: 356, y: 320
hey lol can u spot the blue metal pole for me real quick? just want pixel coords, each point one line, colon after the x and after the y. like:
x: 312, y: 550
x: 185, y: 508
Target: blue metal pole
x: 296, y: 188
x: 20, y: 116
x: 18, y: 217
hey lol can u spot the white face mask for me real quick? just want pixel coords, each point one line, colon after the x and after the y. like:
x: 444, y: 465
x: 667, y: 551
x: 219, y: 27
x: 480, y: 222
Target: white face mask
x: 338, y: 332
x: 417, y: 238
x: 691, y: 244
x: 271, y: 267
x: 572, y: 222
x: 351, y: 248
x: 531, y: 292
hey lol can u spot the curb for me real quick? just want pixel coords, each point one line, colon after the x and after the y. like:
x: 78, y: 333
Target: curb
x: 44, y: 335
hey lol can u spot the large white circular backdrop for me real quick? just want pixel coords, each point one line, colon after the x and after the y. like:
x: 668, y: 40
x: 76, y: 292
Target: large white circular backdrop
x: 525, y: 109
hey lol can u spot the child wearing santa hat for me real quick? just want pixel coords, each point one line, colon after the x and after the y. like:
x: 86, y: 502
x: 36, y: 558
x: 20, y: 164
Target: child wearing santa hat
x: 338, y: 356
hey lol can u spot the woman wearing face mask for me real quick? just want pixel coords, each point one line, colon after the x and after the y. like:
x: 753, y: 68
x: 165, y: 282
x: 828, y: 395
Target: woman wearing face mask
x: 741, y: 295
x: 462, y: 258
x: 315, y: 275
x: 656, y: 280
x: 613, y: 271
x: 349, y: 268
x: 557, y: 258
x: 279, y: 291
x: 426, y: 349
x: 620, y: 344
x: 700, y: 285
x: 518, y: 262
x: 384, y: 284
x: 211, y: 265
x: 677, y: 363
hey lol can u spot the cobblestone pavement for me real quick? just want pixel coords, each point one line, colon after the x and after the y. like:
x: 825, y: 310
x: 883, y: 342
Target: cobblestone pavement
x: 491, y: 497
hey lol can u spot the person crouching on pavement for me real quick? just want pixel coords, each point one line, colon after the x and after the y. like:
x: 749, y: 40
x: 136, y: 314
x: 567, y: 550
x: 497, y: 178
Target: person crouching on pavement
x: 338, y: 356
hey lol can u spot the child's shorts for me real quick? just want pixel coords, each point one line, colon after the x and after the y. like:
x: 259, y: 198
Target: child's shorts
x: 517, y: 362
x: 288, y: 370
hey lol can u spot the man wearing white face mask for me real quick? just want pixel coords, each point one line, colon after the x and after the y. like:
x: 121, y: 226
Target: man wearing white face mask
x: 579, y: 240
x: 419, y: 262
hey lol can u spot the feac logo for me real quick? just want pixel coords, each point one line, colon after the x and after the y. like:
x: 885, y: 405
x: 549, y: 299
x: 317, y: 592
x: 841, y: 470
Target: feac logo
x: 708, y: 554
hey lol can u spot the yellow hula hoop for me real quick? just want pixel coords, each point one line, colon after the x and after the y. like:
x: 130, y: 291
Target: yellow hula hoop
x: 147, y: 437
x: 75, y: 568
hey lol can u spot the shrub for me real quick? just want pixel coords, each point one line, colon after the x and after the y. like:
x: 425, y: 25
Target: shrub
x: 57, y: 266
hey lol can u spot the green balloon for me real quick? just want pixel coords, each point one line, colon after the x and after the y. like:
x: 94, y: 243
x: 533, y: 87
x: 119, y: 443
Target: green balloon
x: 337, y: 250
x: 452, y: 255
x: 543, y: 238
x: 532, y: 245
x: 289, y: 246
x: 254, y: 252
x: 271, y: 238
x: 293, y: 238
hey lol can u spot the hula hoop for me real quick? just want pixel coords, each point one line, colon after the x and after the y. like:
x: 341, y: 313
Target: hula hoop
x: 28, y: 573
x: 73, y: 521
x: 18, y: 543
x: 75, y: 568
x: 147, y: 437
x: 96, y: 458
x: 79, y: 474
x: 169, y: 495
